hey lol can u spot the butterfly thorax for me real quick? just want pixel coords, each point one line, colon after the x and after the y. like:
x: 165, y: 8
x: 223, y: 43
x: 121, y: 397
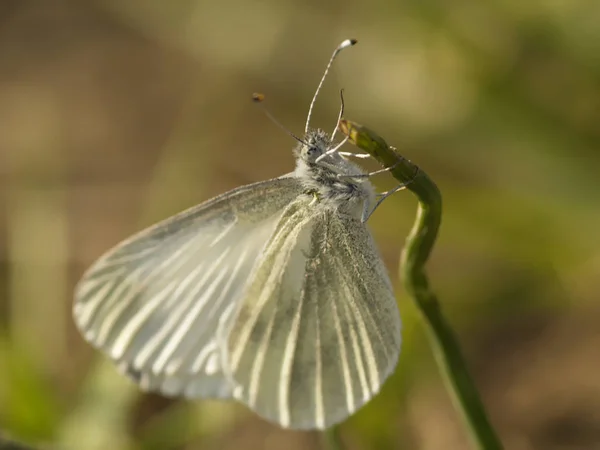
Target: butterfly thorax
x: 330, y: 180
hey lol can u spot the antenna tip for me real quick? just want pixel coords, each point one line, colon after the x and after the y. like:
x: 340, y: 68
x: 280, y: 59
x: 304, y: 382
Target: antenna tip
x: 347, y: 43
x: 257, y: 97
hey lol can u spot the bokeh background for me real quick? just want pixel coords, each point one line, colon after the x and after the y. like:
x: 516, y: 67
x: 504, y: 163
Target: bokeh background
x: 117, y: 113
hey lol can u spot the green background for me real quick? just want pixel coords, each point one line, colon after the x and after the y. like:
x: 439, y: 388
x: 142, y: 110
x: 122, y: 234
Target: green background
x: 117, y: 113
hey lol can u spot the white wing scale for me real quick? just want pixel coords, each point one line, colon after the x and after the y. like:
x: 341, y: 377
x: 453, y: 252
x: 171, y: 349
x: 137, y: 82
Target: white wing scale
x: 318, y: 331
x: 155, y: 302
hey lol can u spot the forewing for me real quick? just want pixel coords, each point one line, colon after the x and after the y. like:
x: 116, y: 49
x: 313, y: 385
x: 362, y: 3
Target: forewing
x: 154, y: 303
x: 318, y: 331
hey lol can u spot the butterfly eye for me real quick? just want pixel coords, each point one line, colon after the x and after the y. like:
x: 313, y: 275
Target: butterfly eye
x: 313, y: 151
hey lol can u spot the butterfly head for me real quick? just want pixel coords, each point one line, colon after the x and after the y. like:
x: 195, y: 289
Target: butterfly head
x: 315, y: 144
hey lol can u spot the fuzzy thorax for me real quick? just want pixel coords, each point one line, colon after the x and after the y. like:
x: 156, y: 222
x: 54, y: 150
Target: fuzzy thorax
x: 329, y: 180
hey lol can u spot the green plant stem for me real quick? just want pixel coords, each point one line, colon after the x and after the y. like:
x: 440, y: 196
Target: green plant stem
x: 417, y: 249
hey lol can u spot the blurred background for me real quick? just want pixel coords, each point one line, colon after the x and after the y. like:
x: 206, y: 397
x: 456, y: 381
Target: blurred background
x: 115, y: 114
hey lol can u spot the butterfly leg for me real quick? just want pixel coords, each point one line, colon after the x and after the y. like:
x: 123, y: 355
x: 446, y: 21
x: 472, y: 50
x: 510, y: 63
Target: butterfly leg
x: 368, y: 212
x: 332, y: 151
x: 355, y: 155
x: 368, y: 175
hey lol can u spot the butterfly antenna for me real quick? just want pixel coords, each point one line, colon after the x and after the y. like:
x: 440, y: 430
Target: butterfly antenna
x: 259, y: 98
x: 347, y: 43
x: 340, y: 115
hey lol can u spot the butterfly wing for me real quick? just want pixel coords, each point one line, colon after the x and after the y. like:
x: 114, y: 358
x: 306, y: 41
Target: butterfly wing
x: 154, y: 303
x: 318, y: 331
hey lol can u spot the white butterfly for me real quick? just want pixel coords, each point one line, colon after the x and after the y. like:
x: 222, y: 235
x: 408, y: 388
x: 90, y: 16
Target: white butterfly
x: 273, y: 294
